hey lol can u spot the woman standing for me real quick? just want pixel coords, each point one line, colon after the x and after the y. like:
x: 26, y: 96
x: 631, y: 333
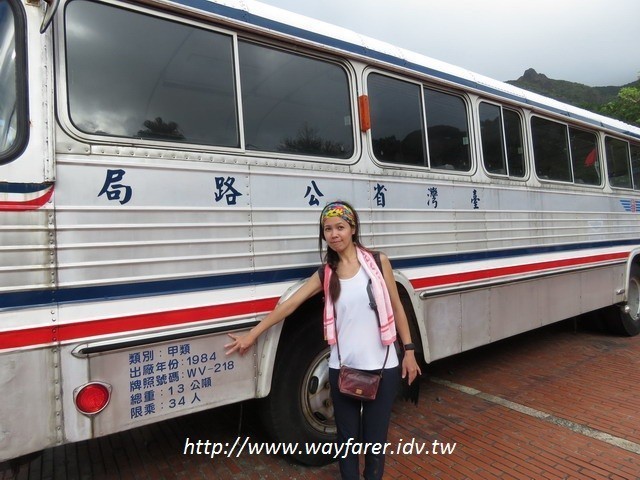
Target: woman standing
x: 359, y: 336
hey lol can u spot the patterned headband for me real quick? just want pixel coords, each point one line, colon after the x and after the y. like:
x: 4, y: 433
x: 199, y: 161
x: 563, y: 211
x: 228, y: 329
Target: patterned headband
x: 339, y: 209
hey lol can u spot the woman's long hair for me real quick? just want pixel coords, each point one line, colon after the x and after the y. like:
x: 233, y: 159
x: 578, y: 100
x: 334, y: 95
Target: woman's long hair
x: 331, y: 258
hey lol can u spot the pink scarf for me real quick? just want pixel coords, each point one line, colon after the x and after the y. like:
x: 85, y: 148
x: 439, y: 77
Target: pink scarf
x: 380, y: 294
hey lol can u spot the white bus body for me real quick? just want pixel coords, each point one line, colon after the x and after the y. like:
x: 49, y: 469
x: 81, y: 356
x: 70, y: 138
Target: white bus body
x: 129, y: 250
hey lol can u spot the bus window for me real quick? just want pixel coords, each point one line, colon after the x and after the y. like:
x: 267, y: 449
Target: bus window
x: 396, y: 120
x: 501, y: 133
x: 618, y: 166
x: 492, y: 139
x: 294, y: 104
x: 447, y: 131
x: 550, y: 150
x: 515, y: 146
x: 12, y: 106
x: 133, y: 75
x: 635, y: 165
x: 584, y: 157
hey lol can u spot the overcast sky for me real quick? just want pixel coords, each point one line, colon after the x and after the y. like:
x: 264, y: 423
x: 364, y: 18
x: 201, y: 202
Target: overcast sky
x: 595, y: 42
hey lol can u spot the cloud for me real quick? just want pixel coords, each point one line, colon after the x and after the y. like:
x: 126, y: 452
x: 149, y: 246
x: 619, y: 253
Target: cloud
x: 593, y: 42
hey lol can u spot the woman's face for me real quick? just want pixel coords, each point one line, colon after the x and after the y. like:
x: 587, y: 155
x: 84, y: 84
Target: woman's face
x: 338, y: 233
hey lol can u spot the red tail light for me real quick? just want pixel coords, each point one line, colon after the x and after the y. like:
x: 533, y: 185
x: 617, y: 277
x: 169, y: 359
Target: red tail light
x: 92, y: 398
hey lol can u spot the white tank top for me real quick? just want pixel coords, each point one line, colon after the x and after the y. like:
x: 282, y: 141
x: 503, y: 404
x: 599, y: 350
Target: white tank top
x: 357, y: 329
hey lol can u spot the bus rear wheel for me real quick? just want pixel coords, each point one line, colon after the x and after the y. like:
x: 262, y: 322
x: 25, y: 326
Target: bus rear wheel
x: 299, y: 408
x: 626, y: 320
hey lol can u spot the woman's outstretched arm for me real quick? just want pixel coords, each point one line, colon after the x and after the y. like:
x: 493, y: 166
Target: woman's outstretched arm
x: 241, y: 343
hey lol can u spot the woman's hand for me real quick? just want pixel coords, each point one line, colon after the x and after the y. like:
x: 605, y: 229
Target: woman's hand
x: 410, y: 366
x: 240, y: 344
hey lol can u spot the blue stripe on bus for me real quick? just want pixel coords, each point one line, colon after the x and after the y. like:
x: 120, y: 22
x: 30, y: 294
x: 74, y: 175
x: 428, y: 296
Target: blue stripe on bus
x: 216, y: 282
x: 250, y: 18
x: 145, y: 289
x: 508, y: 253
x: 24, y: 187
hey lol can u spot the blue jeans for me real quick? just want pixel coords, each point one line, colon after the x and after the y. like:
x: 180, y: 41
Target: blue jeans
x: 364, y: 422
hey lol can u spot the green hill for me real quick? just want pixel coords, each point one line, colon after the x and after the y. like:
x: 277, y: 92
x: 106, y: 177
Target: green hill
x: 577, y: 94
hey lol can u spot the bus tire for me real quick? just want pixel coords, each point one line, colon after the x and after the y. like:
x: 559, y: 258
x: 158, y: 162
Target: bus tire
x: 299, y: 408
x: 626, y: 321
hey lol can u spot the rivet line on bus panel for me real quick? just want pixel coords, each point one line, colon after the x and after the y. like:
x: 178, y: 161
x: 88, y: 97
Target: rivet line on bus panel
x: 547, y: 417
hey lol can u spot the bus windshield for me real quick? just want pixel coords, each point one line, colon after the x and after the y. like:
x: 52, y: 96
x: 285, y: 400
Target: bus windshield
x: 8, y: 106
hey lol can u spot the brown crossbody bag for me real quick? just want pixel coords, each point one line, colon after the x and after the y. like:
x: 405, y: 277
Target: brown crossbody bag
x: 355, y: 383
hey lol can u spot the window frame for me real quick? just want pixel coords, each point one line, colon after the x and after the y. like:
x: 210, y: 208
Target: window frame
x: 351, y: 92
x: 567, y: 134
x: 22, y: 86
x: 633, y: 145
x: 523, y: 138
x: 236, y: 36
x: 629, y: 164
x: 469, y: 120
x: 595, y: 135
x: 62, y: 86
x: 567, y: 153
x: 425, y: 140
x: 423, y: 122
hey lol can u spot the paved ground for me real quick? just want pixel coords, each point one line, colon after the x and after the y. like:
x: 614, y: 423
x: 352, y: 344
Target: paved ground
x: 550, y: 404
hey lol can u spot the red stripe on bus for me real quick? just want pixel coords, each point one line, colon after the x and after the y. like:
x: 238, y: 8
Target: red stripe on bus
x: 62, y: 333
x: 34, y: 204
x: 27, y: 337
x: 463, y: 277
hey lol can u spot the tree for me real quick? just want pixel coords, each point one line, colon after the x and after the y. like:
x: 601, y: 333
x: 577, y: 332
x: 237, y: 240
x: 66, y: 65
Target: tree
x: 625, y: 107
x: 158, y: 128
x: 310, y: 142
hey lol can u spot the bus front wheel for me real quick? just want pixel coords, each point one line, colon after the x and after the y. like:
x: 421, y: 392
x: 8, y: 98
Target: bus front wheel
x: 299, y: 409
x: 625, y: 320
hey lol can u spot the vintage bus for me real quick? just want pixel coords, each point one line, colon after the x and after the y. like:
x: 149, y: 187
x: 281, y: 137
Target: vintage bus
x: 163, y: 164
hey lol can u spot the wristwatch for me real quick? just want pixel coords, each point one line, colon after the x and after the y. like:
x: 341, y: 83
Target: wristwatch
x: 409, y: 346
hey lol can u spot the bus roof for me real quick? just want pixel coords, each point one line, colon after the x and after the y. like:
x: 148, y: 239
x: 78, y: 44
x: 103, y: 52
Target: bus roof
x: 304, y: 30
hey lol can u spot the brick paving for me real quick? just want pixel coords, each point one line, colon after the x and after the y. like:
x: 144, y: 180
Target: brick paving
x: 549, y: 404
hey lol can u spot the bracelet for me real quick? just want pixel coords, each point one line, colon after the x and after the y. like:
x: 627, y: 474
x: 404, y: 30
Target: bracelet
x: 409, y: 346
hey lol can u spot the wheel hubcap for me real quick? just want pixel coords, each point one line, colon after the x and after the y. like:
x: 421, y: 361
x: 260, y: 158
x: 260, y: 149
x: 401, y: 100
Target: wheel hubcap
x: 316, y: 395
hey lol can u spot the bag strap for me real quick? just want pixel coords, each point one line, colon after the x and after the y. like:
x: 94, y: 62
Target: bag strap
x: 374, y: 307
x: 386, y: 356
x: 372, y: 304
